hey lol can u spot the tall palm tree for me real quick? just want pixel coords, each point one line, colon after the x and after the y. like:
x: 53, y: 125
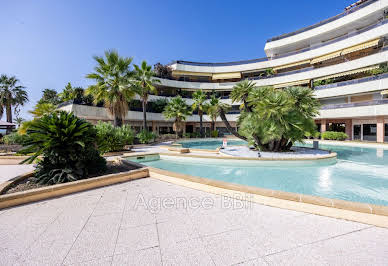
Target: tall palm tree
x: 178, y: 110
x: 113, y: 87
x: 199, y: 98
x: 240, y: 93
x: 223, y: 109
x: 144, y: 81
x: 11, y: 94
x: 213, y: 110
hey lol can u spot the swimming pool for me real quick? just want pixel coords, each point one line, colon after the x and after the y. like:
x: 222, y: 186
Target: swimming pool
x: 209, y: 144
x: 360, y: 174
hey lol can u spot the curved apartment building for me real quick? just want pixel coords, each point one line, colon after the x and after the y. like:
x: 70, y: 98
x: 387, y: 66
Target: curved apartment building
x: 343, y: 59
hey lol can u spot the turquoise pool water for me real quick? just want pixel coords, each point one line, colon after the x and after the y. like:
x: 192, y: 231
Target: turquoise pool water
x: 210, y: 144
x: 360, y: 174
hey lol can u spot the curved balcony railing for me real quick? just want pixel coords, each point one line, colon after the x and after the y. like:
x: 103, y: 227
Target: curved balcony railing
x: 242, y: 62
x: 351, y: 82
x: 338, y: 39
x: 348, y: 105
x: 323, y: 22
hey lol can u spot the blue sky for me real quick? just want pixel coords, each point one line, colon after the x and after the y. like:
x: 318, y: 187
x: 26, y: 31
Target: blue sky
x: 47, y: 43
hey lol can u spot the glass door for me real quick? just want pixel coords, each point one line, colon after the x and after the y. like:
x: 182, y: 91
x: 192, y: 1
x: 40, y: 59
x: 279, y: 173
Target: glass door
x: 357, y: 132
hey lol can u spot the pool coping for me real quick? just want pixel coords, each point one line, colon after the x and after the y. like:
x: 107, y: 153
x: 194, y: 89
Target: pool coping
x: 353, y: 211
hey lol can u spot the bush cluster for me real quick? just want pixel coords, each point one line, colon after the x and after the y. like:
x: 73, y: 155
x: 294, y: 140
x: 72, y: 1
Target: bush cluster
x: 14, y: 139
x: 146, y: 137
x: 332, y: 135
x: 67, y: 144
x: 110, y: 138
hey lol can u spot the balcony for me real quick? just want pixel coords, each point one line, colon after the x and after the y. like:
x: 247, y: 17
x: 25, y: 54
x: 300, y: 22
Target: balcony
x: 323, y: 22
x: 352, y: 110
x: 360, y: 16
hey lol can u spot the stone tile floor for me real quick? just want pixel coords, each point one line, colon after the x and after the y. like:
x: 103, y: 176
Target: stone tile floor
x: 150, y: 222
x: 10, y: 171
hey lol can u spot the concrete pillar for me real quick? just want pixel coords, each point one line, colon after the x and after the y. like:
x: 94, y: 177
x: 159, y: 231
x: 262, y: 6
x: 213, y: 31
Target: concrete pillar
x: 380, y: 130
x: 184, y: 127
x: 323, y: 125
x: 349, y: 128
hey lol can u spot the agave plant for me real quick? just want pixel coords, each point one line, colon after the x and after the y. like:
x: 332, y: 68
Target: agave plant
x: 67, y: 145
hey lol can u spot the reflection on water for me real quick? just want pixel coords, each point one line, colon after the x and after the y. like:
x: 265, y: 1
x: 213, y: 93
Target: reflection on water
x: 325, y: 181
x: 380, y: 153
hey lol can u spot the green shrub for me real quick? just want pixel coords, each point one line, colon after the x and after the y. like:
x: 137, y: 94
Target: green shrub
x: 187, y: 135
x: 195, y: 135
x: 110, y: 138
x: 126, y: 134
x: 214, y: 134
x: 14, y: 139
x: 67, y: 144
x: 146, y: 137
x: 332, y: 135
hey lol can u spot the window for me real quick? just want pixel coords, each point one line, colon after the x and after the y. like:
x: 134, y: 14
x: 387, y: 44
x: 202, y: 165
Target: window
x: 369, y: 132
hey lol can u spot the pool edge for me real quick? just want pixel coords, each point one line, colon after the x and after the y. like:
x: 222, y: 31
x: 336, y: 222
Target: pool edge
x: 353, y: 211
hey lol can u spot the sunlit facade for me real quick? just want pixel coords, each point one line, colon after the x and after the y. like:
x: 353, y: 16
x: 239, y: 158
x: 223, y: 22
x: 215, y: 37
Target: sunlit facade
x: 343, y: 59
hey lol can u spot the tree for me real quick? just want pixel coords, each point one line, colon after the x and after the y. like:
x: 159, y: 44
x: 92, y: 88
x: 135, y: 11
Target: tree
x: 112, y: 75
x: 11, y: 95
x: 241, y: 92
x: 42, y: 109
x: 278, y: 118
x: 178, y: 110
x: 199, y: 98
x: 163, y: 71
x: 143, y: 84
x: 50, y: 96
x: 19, y: 121
x: 213, y: 110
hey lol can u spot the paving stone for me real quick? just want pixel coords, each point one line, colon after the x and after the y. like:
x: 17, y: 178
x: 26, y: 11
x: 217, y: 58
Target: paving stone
x: 231, y: 247
x: 92, y: 245
x: 149, y: 257
x: 136, y: 238
x: 177, y: 230
x: 97, y: 262
x: 192, y: 252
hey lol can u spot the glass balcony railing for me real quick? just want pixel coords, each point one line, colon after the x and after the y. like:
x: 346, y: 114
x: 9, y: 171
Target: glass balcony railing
x: 250, y: 61
x: 323, y: 22
x: 338, y: 39
x: 351, y: 82
x: 348, y: 105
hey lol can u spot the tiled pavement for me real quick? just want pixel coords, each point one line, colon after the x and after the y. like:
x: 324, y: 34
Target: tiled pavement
x: 9, y: 171
x: 149, y: 222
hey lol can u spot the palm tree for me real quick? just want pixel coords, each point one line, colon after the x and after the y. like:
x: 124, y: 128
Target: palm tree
x: 213, y: 110
x: 240, y: 93
x: 199, y: 98
x: 178, y: 110
x: 11, y: 94
x: 223, y: 109
x: 143, y: 83
x: 112, y: 75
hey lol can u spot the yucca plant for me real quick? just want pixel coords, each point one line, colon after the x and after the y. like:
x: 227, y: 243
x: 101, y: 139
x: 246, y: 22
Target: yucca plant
x: 68, y: 146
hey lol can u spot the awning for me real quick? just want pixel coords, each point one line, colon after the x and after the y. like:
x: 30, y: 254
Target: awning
x: 290, y: 84
x: 234, y: 75
x: 326, y: 57
x: 384, y: 92
x: 292, y: 65
x: 365, y: 69
x: 184, y: 73
x: 360, y: 47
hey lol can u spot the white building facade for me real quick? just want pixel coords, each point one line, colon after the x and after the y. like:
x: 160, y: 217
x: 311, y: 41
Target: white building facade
x: 343, y: 59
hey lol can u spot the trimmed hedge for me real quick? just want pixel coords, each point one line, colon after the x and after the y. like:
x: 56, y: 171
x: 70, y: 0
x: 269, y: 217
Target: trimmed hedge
x: 332, y: 135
